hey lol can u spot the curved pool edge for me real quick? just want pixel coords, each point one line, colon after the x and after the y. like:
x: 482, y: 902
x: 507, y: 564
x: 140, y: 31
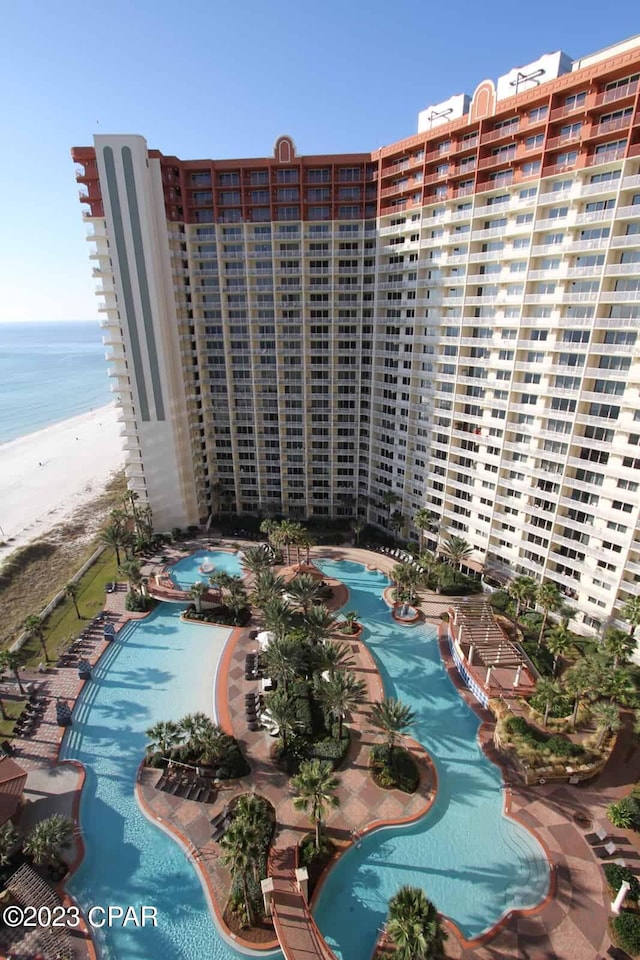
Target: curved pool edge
x: 485, y: 743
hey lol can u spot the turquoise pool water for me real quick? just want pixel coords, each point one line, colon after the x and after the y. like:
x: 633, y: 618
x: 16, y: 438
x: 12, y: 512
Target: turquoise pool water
x: 153, y: 672
x: 185, y: 572
x: 473, y: 862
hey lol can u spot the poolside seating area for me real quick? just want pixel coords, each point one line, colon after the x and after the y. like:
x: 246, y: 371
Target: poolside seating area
x: 400, y: 556
x: 187, y: 785
x: 31, y: 716
x: 220, y: 824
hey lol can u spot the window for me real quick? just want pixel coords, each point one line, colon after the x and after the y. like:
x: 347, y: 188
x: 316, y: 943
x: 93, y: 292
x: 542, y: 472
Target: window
x: 575, y: 100
x: 538, y: 113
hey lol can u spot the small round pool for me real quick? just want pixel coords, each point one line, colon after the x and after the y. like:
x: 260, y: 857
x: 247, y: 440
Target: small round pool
x: 187, y: 571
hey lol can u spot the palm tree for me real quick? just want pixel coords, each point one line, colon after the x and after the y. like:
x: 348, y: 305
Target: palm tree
x: 240, y: 850
x: 112, y: 536
x: 618, y: 685
x: 550, y: 693
x: 194, y: 728
x: 619, y: 645
x: 548, y: 597
x: 303, y: 590
x: 267, y: 586
x: 9, y: 842
x: 254, y: 560
x: 358, y: 527
x: 165, y: 736
x: 523, y: 590
x: 577, y: 682
x: 72, y: 590
x: 315, y: 787
x: 396, y: 522
x: 426, y: 521
x: 409, y: 905
x: 283, y: 712
x: 558, y: 642
x: 34, y: 627
x: 389, y: 498
x: 12, y: 660
x: 130, y: 570
x: 407, y: 577
x: 237, y: 599
x: 631, y: 613
x: 276, y: 616
x: 393, y: 717
x: 318, y: 623
x: 456, y: 549
x: 283, y: 660
x: 287, y: 536
x: 349, y: 621
x: 49, y: 838
x: 334, y: 656
x: 196, y: 592
x: 608, y: 720
x: 341, y: 693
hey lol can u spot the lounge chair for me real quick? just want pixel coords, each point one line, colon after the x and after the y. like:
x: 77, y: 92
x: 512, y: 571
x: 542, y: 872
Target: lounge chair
x: 598, y: 836
x: 606, y: 851
x: 219, y: 817
x: 221, y: 829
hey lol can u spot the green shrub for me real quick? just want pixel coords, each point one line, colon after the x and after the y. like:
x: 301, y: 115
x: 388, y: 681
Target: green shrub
x: 330, y: 749
x: 539, y: 656
x: 401, y: 773
x: 562, y: 709
x: 136, y: 603
x: 309, y: 854
x: 517, y: 725
x: 625, y: 814
x: 626, y: 930
x: 500, y: 600
x: 616, y: 876
x: 300, y: 695
x: 562, y: 747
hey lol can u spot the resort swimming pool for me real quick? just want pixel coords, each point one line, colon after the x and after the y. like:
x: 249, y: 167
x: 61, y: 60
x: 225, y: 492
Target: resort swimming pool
x: 471, y: 860
x: 159, y: 668
x: 186, y: 572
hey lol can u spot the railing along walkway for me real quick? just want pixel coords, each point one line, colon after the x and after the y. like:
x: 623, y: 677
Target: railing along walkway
x: 295, y: 928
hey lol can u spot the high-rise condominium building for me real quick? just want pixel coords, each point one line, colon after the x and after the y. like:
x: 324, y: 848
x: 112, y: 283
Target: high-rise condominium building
x: 448, y: 322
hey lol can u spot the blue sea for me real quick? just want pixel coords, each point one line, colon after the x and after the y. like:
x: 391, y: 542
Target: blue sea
x: 49, y: 372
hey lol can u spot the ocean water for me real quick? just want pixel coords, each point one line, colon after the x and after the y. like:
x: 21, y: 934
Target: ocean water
x: 49, y: 372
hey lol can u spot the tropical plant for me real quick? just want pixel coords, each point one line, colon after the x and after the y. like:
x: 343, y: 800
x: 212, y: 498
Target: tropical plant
x: 236, y: 598
x: 195, y: 728
x: 619, y: 645
x: 631, y: 613
x: 283, y: 712
x: 388, y: 499
x: 303, y: 590
x: 618, y: 685
x: 255, y: 560
x: 48, y: 839
x: 164, y: 737
x: 34, y: 627
x: 12, y: 660
x: 283, y: 660
x: 626, y: 932
x: 130, y: 570
x: 456, y: 549
x: 240, y: 852
x: 9, y: 842
x: 396, y: 522
x: 267, y: 586
x: 349, y: 621
x: 426, y: 521
x: 558, y: 642
x: 550, y: 694
x: 112, y: 536
x: 625, y: 814
x: 607, y: 718
x: 196, y: 592
x: 276, y: 616
x: 548, y: 597
x: 72, y: 590
x: 578, y: 681
x: 523, y: 590
x: 358, y: 527
x: 408, y: 578
x: 392, y: 717
x: 334, y: 656
x: 318, y: 623
x: 315, y: 787
x: 341, y: 693
x: 414, y: 926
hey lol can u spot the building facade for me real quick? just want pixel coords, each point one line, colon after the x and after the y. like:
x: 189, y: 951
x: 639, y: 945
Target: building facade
x: 448, y: 322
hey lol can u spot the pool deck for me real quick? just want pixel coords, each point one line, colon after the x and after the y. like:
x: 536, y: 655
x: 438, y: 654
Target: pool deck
x: 572, y: 921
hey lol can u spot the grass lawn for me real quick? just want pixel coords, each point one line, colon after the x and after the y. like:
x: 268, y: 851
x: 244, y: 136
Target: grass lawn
x: 13, y: 709
x: 62, y: 626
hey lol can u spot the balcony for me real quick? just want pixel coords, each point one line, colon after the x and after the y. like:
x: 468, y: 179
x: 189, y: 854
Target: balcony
x: 617, y: 93
x: 607, y: 156
x: 501, y: 134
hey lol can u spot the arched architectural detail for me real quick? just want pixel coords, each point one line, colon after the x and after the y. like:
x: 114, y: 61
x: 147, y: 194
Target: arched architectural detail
x: 483, y: 103
x: 285, y: 150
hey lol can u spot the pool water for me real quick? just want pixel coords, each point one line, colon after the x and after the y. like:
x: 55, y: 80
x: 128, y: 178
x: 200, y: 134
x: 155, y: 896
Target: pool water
x: 471, y: 860
x: 152, y: 671
x: 186, y: 572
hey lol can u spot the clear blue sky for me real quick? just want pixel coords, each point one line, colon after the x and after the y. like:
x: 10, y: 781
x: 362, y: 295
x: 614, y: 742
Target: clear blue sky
x: 202, y: 78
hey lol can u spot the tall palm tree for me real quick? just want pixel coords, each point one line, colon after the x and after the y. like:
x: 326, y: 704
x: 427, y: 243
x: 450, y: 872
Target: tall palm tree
x: 631, y: 613
x: 392, y: 717
x: 577, y: 681
x: 130, y: 570
x: 608, y: 720
x: 396, y: 522
x: 196, y: 592
x: 548, y: 597
x: 194, y: 728
x: 72, y: 590
x: 408, y: 938
x: 49, y: 838
x: 267, y: 586
x: 410, y: 904
x: 340, y: 694
x: 456, y: 549
x: 283, y: 712
x: 303, y: 590
x: 389, y: 498
x: 358, y: 527
x: 315, y: 787
x: 283, y: 660
x: 34, y: 627
x: 523, y: 590
x: 254, y: 560
x: 334, y: 656
x: 318, y: 623
x: 276, y: 616
x: 618, y: 645
x: 12, y: 660
x: 618, y: 685
x: 164, y: 737
x: 349, y: 621
x: 558, y: 642
x: 240, y: 849
x: 408, y: 578
x: 112, y: 536
x: 550, y: 693
x: 426, y: 521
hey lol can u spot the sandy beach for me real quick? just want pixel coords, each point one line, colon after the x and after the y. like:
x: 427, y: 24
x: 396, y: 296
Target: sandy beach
x: 46, y: 476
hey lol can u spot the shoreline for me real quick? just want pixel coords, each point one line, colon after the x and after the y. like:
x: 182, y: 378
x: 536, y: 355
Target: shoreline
x: 48, y: 475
